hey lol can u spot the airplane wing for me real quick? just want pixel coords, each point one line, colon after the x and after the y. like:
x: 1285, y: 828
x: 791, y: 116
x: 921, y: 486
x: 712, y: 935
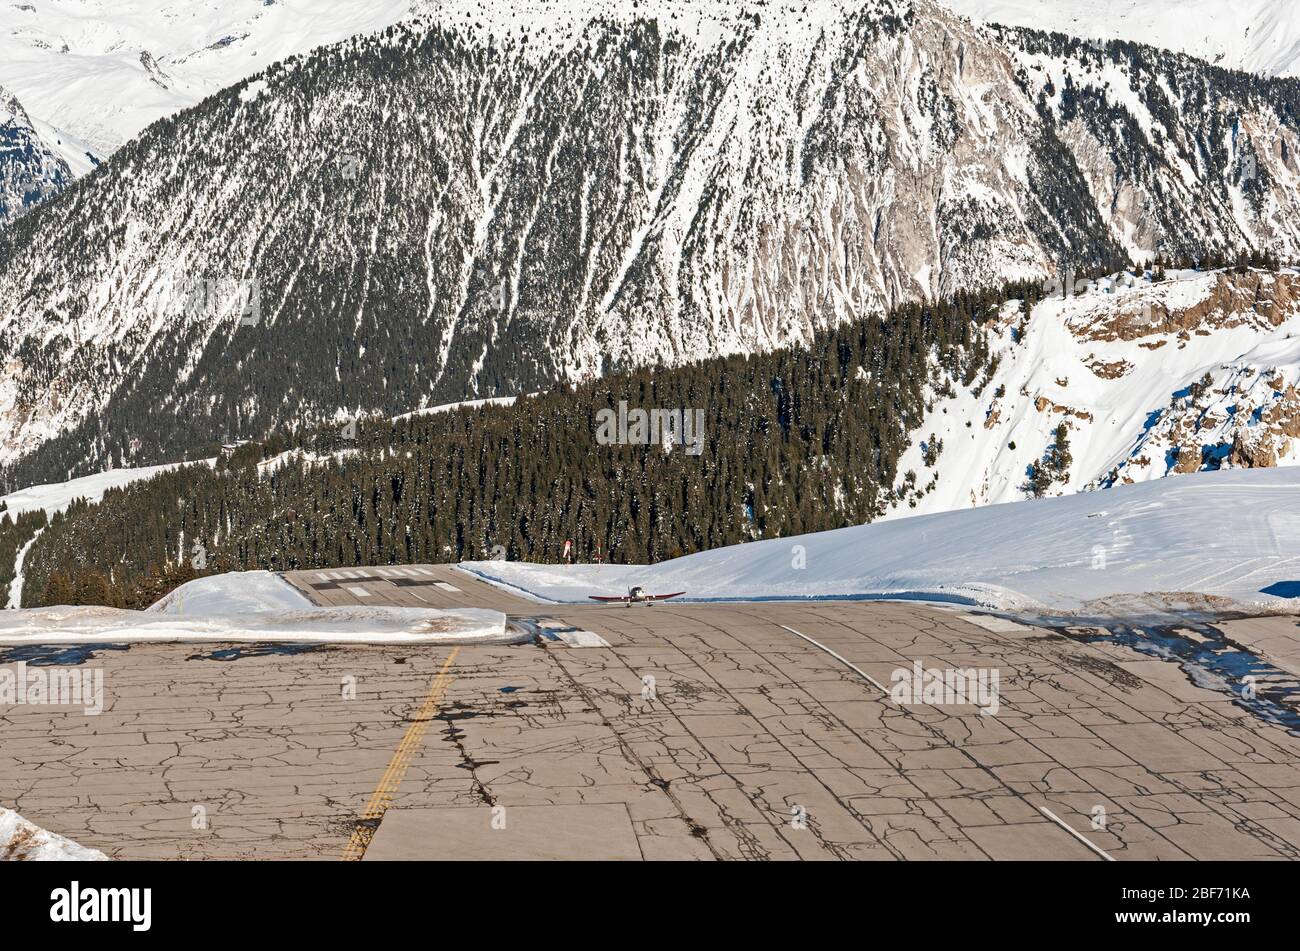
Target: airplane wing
x: 596, y: 597
x: 664, y: 597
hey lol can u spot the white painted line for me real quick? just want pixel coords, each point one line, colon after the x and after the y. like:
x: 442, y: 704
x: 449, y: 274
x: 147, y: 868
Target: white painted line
x: 1096, y: 848
x: 424, y: 571
x: 998, y: 625
x: 445, y: 586
x: 359, y: 591
x: 856, y: 669
x: 581, y: 638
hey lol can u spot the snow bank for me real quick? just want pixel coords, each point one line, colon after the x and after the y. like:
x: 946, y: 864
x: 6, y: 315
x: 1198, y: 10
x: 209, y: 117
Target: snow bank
x: 251, y: 606
x: 359, y: 625
x: 237, y: 592
x: 20, y: 841
x: 1222, y: 536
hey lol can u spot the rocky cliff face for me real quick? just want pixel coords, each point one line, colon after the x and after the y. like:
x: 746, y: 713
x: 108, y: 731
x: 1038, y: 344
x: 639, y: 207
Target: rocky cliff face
x: 1198, y: 372
x: 30, y: 171
x: 498, y: 198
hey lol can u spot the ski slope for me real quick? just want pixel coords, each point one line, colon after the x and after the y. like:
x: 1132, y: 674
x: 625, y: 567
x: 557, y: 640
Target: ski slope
x: 57, y: 496
x: 1210, y: 541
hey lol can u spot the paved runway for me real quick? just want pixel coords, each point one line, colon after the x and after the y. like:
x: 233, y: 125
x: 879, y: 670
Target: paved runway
x: 701, y: 731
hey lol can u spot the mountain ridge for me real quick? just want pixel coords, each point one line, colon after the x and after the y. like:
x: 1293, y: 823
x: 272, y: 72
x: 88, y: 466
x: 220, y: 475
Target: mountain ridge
x: 431, y: 216
x: 30, y: 171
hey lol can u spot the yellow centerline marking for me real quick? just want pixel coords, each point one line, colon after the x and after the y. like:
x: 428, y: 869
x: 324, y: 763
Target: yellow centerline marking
x: 368, y: 824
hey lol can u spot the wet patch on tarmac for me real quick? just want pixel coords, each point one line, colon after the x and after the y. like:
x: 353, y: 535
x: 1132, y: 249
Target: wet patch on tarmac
x: 259, y: 650
x: 55, y: 655
x: 1207, y: 657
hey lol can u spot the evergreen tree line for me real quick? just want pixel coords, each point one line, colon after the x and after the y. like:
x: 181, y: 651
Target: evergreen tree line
x: 15, y: 532
x: 797, y: 440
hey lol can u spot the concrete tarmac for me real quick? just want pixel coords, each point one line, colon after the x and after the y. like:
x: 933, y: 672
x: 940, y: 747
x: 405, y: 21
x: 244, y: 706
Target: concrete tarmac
x: 679, y: 731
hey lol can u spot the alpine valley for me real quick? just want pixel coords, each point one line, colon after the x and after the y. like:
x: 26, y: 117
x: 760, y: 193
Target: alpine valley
x: 768, y: 204
x: 484, y: 203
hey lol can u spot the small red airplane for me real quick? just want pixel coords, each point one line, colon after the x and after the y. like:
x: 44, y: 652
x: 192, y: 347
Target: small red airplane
x: 637, y: 595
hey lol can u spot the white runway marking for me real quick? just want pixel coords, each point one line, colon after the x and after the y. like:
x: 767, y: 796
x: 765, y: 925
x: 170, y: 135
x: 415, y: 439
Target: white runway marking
x: 854, y: 667
x: 1096, y: 848
x: 576, y: 638
x: 995, y: 624
x: 445, y: 586
x: 359, y: 591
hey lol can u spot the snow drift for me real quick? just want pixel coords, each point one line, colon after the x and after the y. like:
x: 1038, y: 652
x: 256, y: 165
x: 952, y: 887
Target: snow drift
x: 21, y: 841
x: 251, y: 606
x: 1212, y: 541
x: 361, y: 625
x: 239, y: 592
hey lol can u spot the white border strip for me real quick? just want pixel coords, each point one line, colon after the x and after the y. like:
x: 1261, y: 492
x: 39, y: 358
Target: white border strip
x: 856, y: 669
x: 1078, y: 835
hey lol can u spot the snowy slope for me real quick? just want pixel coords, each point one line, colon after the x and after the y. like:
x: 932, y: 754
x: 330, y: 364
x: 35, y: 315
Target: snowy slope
x: 1261, y: 36
x: 102, y: 70
x: 1208, y: 541
x: 57, y: 496
x: 1199, y: 372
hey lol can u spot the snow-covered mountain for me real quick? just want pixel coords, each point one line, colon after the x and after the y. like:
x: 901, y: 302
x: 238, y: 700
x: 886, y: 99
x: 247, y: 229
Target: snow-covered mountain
x: 1260, y: 36
x: 30, y: 171
x: 505, y: 195
x: 103, y: 70
x: 1199, y: 372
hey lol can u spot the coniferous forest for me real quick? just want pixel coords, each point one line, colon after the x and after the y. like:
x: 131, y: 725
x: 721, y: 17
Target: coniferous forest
x: 796, y: 440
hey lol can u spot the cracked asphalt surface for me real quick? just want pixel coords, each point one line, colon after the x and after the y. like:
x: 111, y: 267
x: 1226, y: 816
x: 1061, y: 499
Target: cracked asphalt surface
x: 702, y: 731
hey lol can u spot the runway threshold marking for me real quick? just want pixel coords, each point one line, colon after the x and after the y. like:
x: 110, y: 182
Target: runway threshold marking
x: 368, y: 824
x: 843, y: 660
x: 1078, y: 835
